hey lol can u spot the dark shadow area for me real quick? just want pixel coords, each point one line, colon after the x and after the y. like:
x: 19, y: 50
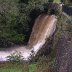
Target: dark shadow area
x: 46, y: 7
x: 67, y: 10
x: 50, y: 0
x: 4, y: 43
x: 51, y: 8
x: 52, y: 12
x: 23, y: 1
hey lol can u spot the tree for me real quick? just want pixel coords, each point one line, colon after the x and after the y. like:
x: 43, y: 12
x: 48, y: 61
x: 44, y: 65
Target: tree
x: 17, y: 18
x: 9, y: 21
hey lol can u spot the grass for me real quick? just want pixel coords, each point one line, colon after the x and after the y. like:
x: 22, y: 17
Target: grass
x: 57, y: 1
x: 15, y: 67
x: 10, y: 70
x: 9, y: 67
x: 42, y: 65
x: 32, y: 68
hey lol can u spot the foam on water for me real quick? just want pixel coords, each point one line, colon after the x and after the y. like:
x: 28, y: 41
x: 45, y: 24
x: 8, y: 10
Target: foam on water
x: 3, y: 55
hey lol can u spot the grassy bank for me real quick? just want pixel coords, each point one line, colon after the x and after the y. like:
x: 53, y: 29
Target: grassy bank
x: 13, y: 67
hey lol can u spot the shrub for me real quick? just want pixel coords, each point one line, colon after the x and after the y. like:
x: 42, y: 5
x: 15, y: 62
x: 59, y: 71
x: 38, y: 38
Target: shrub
x: 15, y: 57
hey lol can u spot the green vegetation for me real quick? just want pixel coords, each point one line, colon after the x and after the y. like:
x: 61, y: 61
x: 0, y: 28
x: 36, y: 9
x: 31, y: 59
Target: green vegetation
x: 13, y: 67
x: 43, y: 65
x: 57, y: 1
x: 16, y: 20
x: 66, y: 1
x: 10, y: 70
x: 15, y: 57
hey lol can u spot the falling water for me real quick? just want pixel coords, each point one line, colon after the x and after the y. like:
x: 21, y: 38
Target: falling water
x: 44, y: 27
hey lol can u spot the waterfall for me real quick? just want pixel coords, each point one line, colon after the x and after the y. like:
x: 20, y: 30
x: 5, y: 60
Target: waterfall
x: 43, y: 28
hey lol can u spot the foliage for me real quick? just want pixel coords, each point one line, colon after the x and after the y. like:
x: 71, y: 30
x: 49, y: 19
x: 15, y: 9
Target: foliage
x: 66, y: 1
x: 13, y: 67
x: 15, y: 57
x: 57, y: 1
x: 16, y: 20
x: 69, y: 25
x: 32, y: 67
x: 9, y: 15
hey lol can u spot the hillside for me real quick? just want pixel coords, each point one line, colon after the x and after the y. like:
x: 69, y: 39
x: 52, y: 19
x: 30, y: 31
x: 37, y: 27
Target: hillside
x: 35, y: 36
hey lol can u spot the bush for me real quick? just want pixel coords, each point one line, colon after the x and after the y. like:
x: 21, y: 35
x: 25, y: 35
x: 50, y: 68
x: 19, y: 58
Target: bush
x: 16, y: 19
x: 15, y: 57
